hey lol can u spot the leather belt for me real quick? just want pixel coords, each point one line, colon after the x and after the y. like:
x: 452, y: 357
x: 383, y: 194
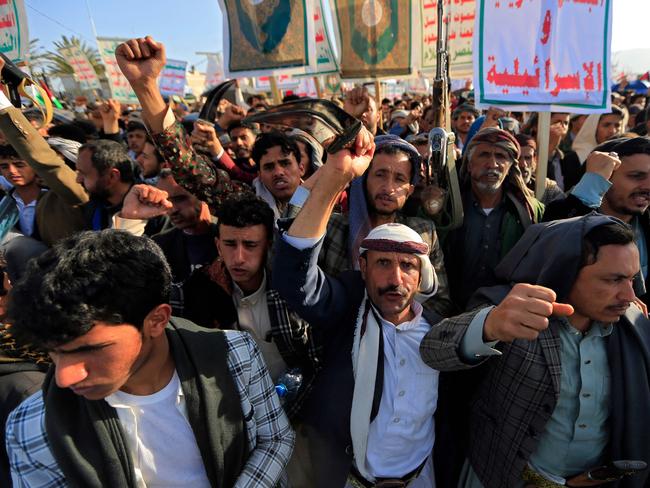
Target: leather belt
x: 357, y: 481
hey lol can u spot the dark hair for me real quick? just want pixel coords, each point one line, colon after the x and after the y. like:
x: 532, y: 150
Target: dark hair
x: 626, y: 146
x: 244, y: 211
x: 108, y: 276
x: 615, y: 111
x: 392, y: 150
x: 267, y: 140
x: 7, y: 151
x: 107, y: 154
x: 135, y: 125
x: 68, y: 131
x: 239, y: 125
x: 290, y: 98
x: 618, y: 234
x: 526, y: 140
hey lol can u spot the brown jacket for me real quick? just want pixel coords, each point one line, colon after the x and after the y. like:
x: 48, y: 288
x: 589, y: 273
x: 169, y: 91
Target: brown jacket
x: 58, y: 211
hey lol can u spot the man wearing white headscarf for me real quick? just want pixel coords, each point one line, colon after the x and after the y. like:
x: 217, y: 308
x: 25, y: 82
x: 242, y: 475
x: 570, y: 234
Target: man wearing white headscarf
x: 370, y: 416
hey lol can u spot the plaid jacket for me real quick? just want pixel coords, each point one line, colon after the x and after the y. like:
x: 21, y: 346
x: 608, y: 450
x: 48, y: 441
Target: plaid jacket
x: 334, y: 257
x: 269, y: 434
x: 514, y: 400
x: 194, y: 171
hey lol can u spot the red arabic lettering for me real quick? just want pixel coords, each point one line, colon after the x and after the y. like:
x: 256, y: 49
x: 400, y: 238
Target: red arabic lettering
x: 567, y: 82
x: 467, y: 33
x: 546, y: 27
x: 429, y: 22
x: 7, y: 21
x: 588, y: 80
x: 600, y: 76
x: 516, y: 79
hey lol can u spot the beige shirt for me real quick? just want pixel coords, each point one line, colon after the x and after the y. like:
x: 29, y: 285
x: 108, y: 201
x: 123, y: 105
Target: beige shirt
x: 253, y: 315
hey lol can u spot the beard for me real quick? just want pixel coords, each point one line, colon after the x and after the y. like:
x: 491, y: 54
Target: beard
x: 491, y: 187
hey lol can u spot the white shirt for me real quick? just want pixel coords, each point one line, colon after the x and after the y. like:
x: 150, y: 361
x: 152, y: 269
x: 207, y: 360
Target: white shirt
x: 402, y: 435
x: 253, y: 316
x: 160, y: 438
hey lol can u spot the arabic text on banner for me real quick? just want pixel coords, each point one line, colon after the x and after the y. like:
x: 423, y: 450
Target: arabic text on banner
x: 375, y: 37
x: 120, y: 88
x: 553, y: 56
x: 267, y: 37
x: 460, y: 15
x: 14, y: 38
x: 173, y: 78
x: 83, y: 70
x: 326, y: 62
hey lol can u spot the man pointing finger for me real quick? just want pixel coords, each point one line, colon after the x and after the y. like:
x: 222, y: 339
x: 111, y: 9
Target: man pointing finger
x: 563, y: 383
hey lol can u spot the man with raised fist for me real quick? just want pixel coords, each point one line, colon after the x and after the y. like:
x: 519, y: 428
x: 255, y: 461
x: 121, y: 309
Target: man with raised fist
x: 562, y: 386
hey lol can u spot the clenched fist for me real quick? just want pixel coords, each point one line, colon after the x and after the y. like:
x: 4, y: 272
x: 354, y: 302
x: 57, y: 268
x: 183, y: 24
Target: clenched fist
x: 141, y: 60
x: 145, y: 202
x: 523, y: 314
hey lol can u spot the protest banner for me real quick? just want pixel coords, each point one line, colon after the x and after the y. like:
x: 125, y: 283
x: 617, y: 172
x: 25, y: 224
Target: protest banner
x: 284, y: 82
x: 267, y: 37
x: 375, y: 37
x: 326, y: 62
x: 119, y: 86
x: 459, y: 22
x: 173, y: 78
x: 84, y: 72
x: 14, y: 37
x: 214, y: 71
x: 553, y: 56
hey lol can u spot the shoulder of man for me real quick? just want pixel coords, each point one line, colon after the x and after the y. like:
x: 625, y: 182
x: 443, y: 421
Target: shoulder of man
x: 25, y: 429
x: 425, y: 227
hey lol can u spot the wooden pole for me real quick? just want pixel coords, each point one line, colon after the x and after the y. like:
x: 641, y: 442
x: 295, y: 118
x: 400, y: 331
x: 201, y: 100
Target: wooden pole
x: 543, y: 133
x: 277, y: 96
x: 319, y: 90
x: 378, y: 102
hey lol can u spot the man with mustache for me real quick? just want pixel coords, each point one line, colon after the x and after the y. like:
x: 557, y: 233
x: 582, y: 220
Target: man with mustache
x: 376, y: 198
x: 369, y: 420
x: 528, y: 165
x: 616, y: 183
x: 497, y: 207
x: 562, y: 386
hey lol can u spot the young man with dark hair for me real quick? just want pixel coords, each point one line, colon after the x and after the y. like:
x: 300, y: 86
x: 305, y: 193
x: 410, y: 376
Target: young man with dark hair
x: 277, y: 157
x: 26, y: 190
x: 127, y: 379
x: 150, y: 161
x: 564, y: 354
x: 235, y: 292
x: 136, y: 136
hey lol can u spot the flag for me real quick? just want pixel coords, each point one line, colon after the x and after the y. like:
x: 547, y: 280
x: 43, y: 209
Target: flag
x: 375, y: 37
x: 265, y: 36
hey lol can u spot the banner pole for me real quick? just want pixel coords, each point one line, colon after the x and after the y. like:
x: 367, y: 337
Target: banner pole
x: 277, y: 97
x: 543, y: 133
x: 319, y: 90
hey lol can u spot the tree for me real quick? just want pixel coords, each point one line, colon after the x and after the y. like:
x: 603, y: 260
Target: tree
x: 37, y: 56
x: 57, y: 63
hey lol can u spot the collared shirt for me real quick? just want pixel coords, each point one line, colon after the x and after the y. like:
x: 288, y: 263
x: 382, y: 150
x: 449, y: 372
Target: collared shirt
x: 148, y: 422
x: 26, y: 213
x: 402, y: 435
x: 253, y: 317
x: 269, y: 435
x: 576, y: 435
x: 482, y: 245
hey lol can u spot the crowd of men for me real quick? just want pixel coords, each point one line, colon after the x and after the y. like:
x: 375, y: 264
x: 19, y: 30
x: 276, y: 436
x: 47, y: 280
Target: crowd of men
x: 165, y: 277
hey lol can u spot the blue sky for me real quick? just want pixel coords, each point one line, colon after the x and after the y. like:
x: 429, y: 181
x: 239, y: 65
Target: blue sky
x: 185, y: 26
x: 190, y: 26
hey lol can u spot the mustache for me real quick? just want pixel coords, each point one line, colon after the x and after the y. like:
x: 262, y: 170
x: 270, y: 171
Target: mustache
x: 391, y: 289
x: 642, y: 193
x: 491, y: 172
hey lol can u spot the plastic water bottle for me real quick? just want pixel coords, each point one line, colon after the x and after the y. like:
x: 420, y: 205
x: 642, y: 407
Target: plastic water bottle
x: 288, y: 385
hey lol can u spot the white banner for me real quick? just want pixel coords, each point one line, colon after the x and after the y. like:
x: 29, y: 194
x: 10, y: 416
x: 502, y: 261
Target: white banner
x: 173, y: 78
x: 120, y: 88
x: 326, y: 62
x: 541, y: 56
x: 14, y: 37
x: 83, y: 70
x: 460, y: 16
x: 214, y: 74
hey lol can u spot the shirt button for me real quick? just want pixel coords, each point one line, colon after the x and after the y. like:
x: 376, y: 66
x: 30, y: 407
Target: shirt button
x: 588, y: 361
x: 396, y: 420
x: 402, y: 393
x: 583, y: 426
x: 586, y: 395
x: 485, y: 247
x: 402, y: 362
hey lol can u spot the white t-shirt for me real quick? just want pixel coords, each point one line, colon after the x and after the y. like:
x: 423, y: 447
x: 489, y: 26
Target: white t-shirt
x: 160, y: 438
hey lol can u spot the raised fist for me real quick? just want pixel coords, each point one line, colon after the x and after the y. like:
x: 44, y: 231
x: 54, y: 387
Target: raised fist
x: 141, y: 60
